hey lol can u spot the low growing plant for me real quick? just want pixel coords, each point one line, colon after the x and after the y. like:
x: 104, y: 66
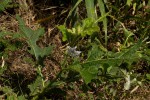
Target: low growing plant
x: 32, y: 37
x: 84, y: 28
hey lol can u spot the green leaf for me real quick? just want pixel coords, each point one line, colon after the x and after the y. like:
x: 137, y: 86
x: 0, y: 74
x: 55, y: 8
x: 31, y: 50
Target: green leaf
x: 4, y: 4
x: 88, y: 27
x: 90, y: 68
x: 128, y: 34
x: 148, y: 76
x: 4, y: 33
x: 87, y: 72
x: 37, y: 33
x: 7, y: 33
x: 113, y: 71
x: 95, y: 53
x: 21, y: 98
x: 45, y: 51
x: 36, y: 86
x: 127, y: 54
x: 8, y: 92
x: 110, y: 66
x: 129, y: 2
x: 32, y: 37
x: 63, y: 29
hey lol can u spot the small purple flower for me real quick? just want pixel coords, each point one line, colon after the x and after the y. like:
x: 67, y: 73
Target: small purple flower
x: 72, y: 51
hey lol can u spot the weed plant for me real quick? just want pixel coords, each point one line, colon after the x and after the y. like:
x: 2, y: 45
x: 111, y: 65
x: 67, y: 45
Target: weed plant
x: 104, y: 51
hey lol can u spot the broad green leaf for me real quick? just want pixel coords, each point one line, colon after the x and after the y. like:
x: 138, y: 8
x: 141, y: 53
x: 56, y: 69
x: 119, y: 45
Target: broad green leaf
x: 90, y: 68
x: 127, y: 54
x: 113, y: 71
x: 88, y: 27
x: 87, y: 72
x: 37, y: 33
x: 45, y: 51
x: 111, y: 66
x: 95, y: 53
x: 34, y: 48
x: 109, y: 61
x: 17, y: 36
x: 31, y: 38
x: 76, y: 67
x: 96, y: 56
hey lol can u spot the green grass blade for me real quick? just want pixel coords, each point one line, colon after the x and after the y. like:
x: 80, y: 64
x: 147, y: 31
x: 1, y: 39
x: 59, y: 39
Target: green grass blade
x: 71, y: 11
x: 103, y: 13
x: 90, y: 7
x: 4, y: 4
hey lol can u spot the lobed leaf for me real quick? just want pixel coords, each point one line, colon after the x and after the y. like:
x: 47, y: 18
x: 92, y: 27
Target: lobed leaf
x: 35, y: 86
x: 89, y: 69
x: 32, y: 37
